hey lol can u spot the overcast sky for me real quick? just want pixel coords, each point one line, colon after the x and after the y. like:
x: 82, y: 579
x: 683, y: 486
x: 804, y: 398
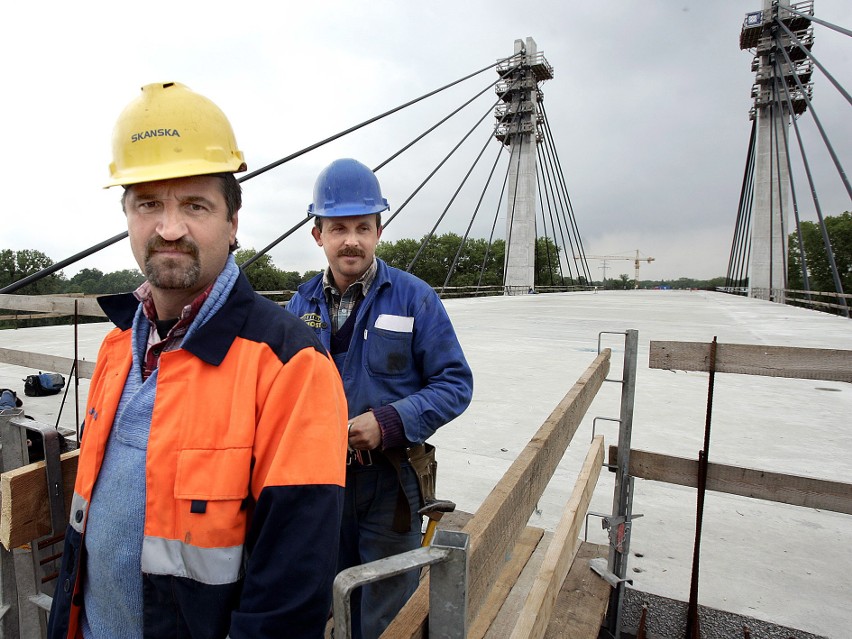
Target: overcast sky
x: 648, y: 106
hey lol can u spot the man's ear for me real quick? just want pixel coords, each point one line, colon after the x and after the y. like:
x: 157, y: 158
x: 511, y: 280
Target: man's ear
x: 317, y: 236
x: 235, y: 223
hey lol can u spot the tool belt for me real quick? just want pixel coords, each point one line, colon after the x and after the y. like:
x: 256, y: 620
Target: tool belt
x: 422, y: 460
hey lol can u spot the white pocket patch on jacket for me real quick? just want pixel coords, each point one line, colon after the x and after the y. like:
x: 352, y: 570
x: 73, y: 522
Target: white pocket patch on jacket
x: 396, y: 323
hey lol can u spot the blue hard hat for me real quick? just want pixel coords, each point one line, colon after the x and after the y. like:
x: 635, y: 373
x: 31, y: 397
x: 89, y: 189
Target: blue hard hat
x: 347, y: 188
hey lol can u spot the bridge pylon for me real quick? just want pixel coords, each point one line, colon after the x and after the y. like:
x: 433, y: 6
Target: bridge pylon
x: 777, y: 97
x: 518, y: 128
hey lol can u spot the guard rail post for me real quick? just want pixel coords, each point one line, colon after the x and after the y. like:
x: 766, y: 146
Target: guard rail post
x: 448, y: 556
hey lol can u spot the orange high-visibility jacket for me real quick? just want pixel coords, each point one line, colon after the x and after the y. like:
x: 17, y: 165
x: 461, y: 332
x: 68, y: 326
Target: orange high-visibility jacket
x: 244, y: 476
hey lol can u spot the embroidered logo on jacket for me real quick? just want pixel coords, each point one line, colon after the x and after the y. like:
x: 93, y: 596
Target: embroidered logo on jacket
x: 314, y: 320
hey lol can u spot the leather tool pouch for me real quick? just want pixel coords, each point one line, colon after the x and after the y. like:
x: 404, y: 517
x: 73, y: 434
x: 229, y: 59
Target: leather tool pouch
x: 422, y: 459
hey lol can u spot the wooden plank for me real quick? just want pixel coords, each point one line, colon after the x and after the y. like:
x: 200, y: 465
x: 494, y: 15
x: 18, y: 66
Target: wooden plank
x: 507, y: 617
x: 581, y: 606
x: 507, y: 577
x: 24, y: 505
x: 87, y: 306
x: 749, y: 359
x: 795, y: 490
x: 505, y: 512
x: 535, y: 615
x: 43, y: 362
x: 28, y: 316
x: 496, y: 526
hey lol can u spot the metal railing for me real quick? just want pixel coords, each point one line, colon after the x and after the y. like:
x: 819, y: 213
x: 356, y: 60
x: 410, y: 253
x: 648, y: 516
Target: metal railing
x: 448, y: 558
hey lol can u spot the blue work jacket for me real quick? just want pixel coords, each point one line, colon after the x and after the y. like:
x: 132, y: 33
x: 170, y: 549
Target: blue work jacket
x: 404, y: 351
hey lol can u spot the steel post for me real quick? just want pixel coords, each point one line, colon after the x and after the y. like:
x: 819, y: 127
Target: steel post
x: 448, y: 555
x: 622, y: 506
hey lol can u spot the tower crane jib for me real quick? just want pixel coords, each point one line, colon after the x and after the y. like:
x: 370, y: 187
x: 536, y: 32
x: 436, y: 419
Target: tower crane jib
x: 636, y: 260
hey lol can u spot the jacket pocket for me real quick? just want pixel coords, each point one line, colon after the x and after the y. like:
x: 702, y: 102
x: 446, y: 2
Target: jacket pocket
x: 211, y: 487
x: 389, y: 352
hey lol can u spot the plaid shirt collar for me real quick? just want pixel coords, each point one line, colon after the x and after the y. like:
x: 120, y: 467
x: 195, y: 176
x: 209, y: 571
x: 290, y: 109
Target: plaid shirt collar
x: 340, y: 305
x: 174, y: 337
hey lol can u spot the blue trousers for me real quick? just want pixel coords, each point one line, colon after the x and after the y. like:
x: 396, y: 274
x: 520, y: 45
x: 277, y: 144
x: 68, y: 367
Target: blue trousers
x: 367, y: 534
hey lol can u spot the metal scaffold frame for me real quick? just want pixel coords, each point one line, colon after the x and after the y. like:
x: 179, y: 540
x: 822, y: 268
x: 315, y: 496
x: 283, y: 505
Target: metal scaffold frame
x: 27, y: 571
x: 619, y: 524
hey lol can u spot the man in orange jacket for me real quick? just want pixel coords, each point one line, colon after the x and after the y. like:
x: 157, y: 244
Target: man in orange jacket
x: 210, y: 485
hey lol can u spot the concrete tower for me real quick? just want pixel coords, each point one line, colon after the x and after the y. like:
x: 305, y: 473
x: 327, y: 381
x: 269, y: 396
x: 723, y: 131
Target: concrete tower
x: 517, y: 128
x: 771, y: 208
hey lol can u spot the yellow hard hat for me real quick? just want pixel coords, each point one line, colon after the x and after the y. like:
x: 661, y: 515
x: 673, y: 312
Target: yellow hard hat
x: 169, y: 132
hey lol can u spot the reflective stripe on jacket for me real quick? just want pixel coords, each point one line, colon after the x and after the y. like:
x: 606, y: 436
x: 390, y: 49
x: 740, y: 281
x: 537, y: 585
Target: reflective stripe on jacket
x: 244, y: 476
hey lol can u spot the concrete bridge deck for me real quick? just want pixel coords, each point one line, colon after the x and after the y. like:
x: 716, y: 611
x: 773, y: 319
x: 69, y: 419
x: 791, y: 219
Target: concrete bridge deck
x: 779, y: 563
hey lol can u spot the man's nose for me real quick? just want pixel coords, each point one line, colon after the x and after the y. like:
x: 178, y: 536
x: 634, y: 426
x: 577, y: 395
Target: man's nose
x: 172, y: 225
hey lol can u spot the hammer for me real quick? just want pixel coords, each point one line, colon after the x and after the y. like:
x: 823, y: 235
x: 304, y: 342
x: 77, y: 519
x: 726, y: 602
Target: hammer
x: 434, y: 510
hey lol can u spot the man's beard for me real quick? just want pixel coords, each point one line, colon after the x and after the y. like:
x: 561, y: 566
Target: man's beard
x: 168, y: 273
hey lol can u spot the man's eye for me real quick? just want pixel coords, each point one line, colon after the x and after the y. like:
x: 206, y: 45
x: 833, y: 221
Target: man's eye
x: 147, y: 206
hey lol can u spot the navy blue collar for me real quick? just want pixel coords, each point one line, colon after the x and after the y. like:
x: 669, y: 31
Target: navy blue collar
x: 212, y: 341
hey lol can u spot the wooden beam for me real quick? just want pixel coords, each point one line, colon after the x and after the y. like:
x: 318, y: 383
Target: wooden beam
x: 42, y: 362
x: 535, y: 615
x: 24, y: 504
x: 87, y: 306
x: 29, y: 316
x: 749, y: 359
x: 521, y: 554
x: 497, y: 524
x: 581, y: 606
x: 746, y: 482
x: 500, y: 519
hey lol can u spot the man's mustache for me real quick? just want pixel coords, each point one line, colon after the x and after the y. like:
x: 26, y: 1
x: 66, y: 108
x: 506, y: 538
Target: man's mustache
x: 351, y: 252
x: 159, y: 244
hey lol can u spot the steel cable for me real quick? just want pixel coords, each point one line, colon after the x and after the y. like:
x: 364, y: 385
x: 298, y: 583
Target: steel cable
x: 826, y: 240
x: 97, y: 247
x: 822, y: 133
x: 565, y: 201
x: 472, y: 218
x: 570, y: 207
x: 452, y: 199
x: 494, y: 225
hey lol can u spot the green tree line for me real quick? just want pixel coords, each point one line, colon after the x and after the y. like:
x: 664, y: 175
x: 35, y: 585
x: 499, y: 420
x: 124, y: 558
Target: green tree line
x: 440, y: 263
x: 820, y: 278
x: 15, y: 265
x: 478, y: 263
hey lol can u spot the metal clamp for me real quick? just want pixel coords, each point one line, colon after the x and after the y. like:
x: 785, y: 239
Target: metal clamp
x: 619, y: 529
x: 607, y: 419
x: 608, y: 379
x: 591, y: 513
x: 52, y: 463
x: 599, y: 565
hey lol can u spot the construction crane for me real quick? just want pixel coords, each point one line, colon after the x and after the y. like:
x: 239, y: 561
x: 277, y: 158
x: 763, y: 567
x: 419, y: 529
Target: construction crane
x: 636, y: 261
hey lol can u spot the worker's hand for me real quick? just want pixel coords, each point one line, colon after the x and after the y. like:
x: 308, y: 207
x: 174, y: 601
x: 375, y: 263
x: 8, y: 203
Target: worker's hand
x: 364, y: 432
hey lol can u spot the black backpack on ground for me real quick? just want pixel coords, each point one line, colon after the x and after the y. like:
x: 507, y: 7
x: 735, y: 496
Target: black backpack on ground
x: 43, y: 384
